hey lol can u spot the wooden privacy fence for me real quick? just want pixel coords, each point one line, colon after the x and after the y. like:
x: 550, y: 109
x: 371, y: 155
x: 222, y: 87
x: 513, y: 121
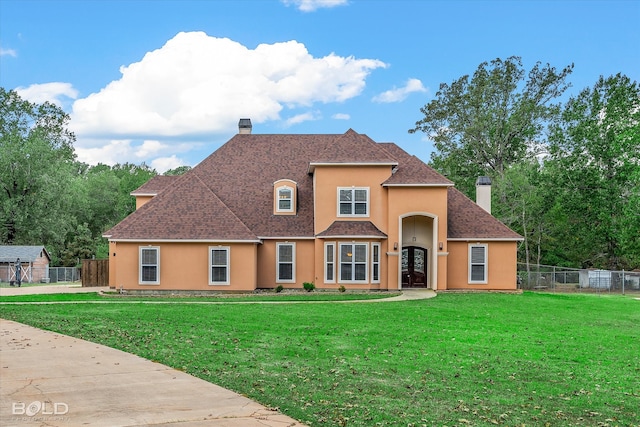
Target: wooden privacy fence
x: 95, y: 272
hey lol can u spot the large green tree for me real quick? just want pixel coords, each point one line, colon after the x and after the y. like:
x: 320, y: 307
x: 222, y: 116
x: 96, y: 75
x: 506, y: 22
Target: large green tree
x: 36, y: 168
x: 595, y: 158
x: 481, y: 124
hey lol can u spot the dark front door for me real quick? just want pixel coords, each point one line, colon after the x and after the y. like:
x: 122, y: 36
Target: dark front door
x: 414, y: 267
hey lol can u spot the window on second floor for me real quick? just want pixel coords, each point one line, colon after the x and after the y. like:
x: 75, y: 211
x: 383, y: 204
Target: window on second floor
x: 353, y: 201
x: 285, y: 199
x: 284, y: 193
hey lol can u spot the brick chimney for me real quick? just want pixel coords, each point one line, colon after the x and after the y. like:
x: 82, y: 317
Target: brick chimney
x: 244, y: 126
x: 483, y: 193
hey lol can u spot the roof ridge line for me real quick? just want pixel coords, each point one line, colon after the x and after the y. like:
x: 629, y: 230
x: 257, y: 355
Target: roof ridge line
x: 225, y: 205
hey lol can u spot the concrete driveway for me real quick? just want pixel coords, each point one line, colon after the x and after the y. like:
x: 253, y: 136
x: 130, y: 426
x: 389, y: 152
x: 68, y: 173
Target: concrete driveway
x: 56, y: 380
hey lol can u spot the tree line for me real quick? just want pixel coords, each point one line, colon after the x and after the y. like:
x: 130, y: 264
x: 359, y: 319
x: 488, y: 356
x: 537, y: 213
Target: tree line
x: 566, y: 175
x: 50, y: 198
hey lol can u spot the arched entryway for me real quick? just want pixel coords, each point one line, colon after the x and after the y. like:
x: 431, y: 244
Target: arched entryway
x: 414, y: 267
x: 417, y: 267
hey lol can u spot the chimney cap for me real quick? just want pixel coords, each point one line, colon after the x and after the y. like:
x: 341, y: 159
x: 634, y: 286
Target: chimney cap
x: 245, y: 124
x: 483, y: 180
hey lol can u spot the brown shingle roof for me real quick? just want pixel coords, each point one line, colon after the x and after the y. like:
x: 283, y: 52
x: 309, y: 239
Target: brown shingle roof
x: 229, y: 195
x: 467, y: 220
x: 352, y: 229
x: 352, y: 147
x: 411, y: 170
x: 189, y: 210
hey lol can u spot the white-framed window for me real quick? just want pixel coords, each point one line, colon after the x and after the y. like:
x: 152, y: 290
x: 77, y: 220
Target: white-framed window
x: 219, y: 265
x: 353, y: 201
x: 149, y: 265
x: 353, y: 263
x: 286, y: 262
x: 330, y: 262
x: 285, y: 199
x: 478, y: 263
x: 375, y: 263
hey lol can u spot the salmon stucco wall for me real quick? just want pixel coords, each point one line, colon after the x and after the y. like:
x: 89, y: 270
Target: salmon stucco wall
x: 428, y: 206
x: 501, y: 264
x: 183, y: 266
x: 142, y: 200
x: 327, y: 180
x: 267, y: 264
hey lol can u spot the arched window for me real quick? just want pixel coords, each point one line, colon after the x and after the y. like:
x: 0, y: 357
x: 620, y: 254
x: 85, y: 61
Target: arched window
x: 285, y: 199
x: 284, y: 195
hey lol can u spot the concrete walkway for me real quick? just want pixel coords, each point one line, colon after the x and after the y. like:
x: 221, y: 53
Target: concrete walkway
x: 55, y: 380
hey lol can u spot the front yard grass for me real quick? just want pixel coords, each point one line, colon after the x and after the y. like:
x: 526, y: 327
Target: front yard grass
x: 458, y: 359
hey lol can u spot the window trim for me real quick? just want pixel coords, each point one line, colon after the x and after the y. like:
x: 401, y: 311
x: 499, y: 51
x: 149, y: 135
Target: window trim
x: 331, y: 245
x: 485, y: 263
x: 291, y: 199
x: 375, y: 262
x: 353, y: 202
x: 227, y: 249
x: 353, y: 263
x: 140, y: 265
x: 293, y: 262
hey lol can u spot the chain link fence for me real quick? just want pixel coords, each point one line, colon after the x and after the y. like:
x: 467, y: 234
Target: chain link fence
x: 31, y: 274
x: 561, y: 279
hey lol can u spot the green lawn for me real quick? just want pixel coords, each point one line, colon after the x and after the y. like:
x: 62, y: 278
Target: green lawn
x: 458, y: 359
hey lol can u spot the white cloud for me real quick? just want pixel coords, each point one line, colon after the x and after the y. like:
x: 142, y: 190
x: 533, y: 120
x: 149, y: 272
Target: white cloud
x: 8, y: 52
x: 313, y: 5
x: 400, y: 94
x: 304, y: 117
x: 163, y: 164
x: 201, y: 85
x: 55, y: 93
x: 341, y: 116
x: 153, y: 153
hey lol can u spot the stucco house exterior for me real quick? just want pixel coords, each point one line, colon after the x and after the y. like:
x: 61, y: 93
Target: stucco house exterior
x: 335, y: 209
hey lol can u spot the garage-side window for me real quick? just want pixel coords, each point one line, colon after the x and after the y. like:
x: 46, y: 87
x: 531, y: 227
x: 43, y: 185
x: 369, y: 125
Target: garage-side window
x: 478, y: 264
x: 149, y: 273
x: 219, y: 265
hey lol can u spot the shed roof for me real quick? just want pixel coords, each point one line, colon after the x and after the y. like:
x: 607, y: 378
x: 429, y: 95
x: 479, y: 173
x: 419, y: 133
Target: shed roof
x: 25, y: 253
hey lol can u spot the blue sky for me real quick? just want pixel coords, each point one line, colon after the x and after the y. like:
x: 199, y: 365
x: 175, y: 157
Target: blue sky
x: 165, y: 82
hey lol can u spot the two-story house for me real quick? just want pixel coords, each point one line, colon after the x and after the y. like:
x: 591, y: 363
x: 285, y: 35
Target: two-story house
x: 335, y: 210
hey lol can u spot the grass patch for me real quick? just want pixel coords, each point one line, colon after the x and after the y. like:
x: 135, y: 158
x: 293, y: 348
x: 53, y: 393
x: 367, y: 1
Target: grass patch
x: 458, y: 359
x: 261, y: 297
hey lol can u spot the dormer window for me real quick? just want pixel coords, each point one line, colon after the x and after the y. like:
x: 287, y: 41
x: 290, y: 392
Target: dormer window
x: 284, y: 197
